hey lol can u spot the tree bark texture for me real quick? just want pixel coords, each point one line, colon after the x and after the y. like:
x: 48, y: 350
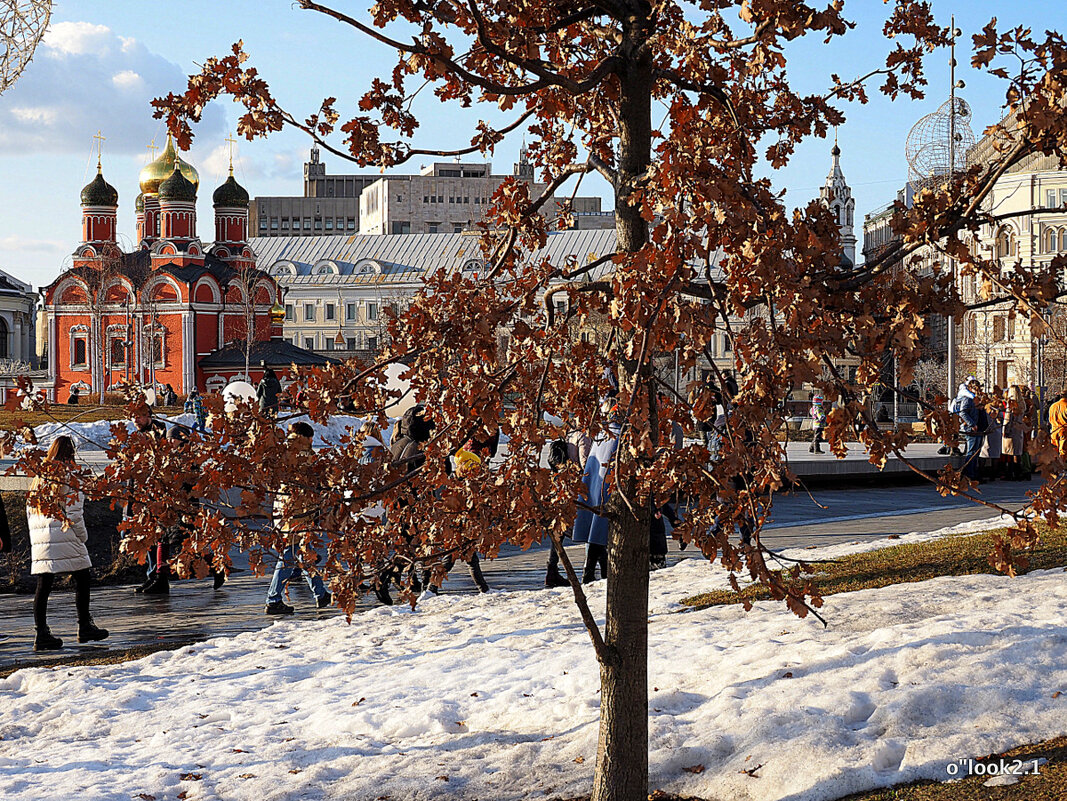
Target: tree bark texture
x: 622, y: 748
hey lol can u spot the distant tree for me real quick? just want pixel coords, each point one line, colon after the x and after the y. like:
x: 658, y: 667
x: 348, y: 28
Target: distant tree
x: 588, y: 80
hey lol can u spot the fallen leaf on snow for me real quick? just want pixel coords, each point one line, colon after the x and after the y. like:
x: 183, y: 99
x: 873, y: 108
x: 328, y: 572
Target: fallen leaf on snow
x: 694, y: 769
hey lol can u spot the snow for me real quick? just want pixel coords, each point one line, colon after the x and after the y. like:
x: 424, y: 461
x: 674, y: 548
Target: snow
x: 496, y: 696
x: 94, y: 436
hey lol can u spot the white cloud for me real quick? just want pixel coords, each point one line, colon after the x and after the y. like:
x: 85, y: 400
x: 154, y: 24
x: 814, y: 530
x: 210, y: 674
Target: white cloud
x: 93, y: 79
x: 128, y: 80
x: 39, y: 115
x: 77, y: 39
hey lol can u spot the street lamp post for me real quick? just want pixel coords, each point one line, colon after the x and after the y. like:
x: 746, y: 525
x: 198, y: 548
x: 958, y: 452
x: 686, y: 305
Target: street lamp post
x: 951, y: 341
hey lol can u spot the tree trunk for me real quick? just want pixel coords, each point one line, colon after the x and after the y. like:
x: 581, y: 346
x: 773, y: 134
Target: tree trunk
x: 622, y: 749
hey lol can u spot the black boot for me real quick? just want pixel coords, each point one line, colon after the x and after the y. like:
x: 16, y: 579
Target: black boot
x: 44, y: 641
x: 160, y: 585
x: 556, y: 580
x: 147, y: 582
x: 88, y: 631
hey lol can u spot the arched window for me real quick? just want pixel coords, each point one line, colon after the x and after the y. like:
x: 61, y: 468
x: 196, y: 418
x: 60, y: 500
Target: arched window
x: 1051, y: 240
x: 1005, y: 242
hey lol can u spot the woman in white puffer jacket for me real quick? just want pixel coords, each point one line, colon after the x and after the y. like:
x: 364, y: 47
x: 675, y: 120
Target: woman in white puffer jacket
x: 58, y: 546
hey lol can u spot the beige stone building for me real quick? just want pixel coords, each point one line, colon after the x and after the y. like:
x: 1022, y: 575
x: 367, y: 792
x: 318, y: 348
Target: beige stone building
x: 452, y: 197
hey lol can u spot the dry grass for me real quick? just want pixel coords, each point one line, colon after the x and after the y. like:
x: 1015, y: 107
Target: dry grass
x: 948, y: 556
x: 1049, y: 784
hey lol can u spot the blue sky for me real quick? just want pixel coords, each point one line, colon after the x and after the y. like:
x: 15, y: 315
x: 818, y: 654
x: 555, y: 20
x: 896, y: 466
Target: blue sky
x: 104, y: 59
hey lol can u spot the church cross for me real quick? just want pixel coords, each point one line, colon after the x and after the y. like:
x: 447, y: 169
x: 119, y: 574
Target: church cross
x: 99, y: 137
x: 231, y: 142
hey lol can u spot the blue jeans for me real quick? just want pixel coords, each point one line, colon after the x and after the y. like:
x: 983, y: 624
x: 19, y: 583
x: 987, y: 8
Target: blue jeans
x: 970, y: 456
x: 285, y: 571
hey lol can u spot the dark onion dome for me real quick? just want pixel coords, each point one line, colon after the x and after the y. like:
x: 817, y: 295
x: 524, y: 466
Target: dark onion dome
x: 230, y: 195
x: 138, y: 205
x: 100, y: 193
x: 177, y: 188
x: 835, y: 151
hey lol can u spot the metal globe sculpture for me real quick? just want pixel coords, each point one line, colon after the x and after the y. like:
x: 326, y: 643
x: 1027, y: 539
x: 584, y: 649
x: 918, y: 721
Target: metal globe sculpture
x: 22, y: 24
x: 927, y: 147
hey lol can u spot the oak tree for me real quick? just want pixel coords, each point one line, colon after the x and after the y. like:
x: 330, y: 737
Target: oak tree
x: 685, y: 109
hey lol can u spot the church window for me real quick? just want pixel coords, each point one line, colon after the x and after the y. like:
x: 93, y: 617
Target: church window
x: 117, y: 352
x: 79, y: 350
x: 157, y: 349
x: 1005, y: 243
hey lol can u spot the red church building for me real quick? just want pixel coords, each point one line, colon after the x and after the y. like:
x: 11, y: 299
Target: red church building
x: 174, y: 311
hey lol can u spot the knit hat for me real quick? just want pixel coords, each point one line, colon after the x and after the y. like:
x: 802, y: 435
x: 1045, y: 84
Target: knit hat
x: 466, y: 461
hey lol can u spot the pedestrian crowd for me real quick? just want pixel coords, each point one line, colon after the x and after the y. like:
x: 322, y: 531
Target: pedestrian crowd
x: 995, y: 428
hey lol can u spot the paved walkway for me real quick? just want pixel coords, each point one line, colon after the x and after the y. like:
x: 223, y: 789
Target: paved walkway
x: 195, y: 611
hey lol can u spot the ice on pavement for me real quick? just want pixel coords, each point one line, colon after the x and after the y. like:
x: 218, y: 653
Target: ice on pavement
x: 496, y: 696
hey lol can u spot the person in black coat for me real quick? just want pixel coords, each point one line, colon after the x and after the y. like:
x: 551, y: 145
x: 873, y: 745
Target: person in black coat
x: 268, y: 391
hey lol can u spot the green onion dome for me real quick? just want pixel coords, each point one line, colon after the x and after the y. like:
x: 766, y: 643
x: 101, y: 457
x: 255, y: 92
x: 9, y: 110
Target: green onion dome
x: 230, y: 195
x: 100, y: 193
x: 177, y: 188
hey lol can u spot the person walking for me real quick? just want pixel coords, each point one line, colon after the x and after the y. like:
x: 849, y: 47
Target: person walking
x: 146, y: 427
x: 819, y: 413
x: 268, y: 392
x: 1057, y: 421
x: 591, y: 527
x: 1013, y: 440
x: 970, y: 424
x: 292, y: 522
x: 466, y: 462
x: 194, y: 405
x: 992, y: 446
x: 59, y: 546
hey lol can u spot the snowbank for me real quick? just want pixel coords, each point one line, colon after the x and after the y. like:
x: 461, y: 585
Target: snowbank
x: 95, y: 436
x: 496, y: 696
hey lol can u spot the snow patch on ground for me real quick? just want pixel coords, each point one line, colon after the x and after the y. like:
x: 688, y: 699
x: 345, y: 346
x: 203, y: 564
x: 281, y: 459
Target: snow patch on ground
x: 496, y: 696
x: 94, y: 436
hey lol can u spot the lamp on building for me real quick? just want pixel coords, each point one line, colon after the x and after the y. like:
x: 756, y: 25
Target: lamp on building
x: 339, y: 340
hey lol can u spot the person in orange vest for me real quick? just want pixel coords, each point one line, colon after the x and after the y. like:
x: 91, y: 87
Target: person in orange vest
x: 1057, y: 420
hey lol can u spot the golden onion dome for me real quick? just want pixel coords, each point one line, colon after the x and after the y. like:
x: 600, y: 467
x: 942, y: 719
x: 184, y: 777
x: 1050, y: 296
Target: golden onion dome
x: 156, y: 172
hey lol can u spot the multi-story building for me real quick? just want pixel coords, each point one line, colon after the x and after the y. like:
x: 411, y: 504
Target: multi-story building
x: 452, y: 197
x: 330, y: 205
x: 445, y: 197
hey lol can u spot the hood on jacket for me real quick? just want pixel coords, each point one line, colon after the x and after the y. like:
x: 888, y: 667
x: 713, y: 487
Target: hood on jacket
x: 964, y: 392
